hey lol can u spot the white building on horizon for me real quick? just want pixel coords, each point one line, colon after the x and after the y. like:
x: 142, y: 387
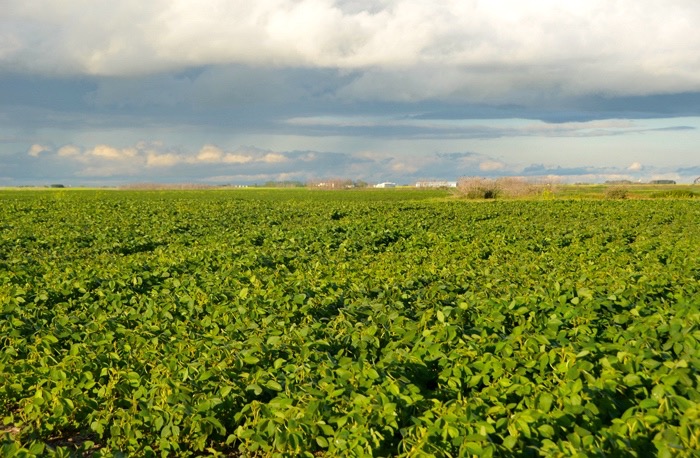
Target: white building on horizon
x: 436, y: 184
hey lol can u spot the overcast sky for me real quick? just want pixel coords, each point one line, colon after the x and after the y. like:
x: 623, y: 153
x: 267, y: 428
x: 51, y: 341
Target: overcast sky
x: 245, y: 91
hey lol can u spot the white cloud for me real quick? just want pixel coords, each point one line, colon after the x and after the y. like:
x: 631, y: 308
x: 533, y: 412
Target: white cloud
x: 409, y: 49
x: 237, y: 159
x: 274, y: 158
x: 99, y: 158
x: 112, y: 153
x: 490, y: 166
x: 68, y: 150
x: 210, y: 153
x: 635, y: 167
x: 162, y: 160
x: 36, y: 149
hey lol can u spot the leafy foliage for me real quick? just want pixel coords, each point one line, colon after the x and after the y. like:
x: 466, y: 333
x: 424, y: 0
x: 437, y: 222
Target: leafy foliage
x: 616, y: 192
x: 675, y: 194
x: 248, y: 323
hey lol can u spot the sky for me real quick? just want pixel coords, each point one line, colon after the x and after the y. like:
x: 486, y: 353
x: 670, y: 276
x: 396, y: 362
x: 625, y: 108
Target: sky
x: 248, y: 91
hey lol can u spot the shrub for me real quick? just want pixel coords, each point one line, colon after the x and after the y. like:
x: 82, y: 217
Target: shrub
x: 489, y: 188
x: 616, y: 192
x: 479, y: 188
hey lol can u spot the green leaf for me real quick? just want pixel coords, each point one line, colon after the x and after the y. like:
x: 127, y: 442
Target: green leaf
x: 545, y: 401
x: 255, y: 388
x: 474, y: 448
x: 632, y: 380
x: 36, y: 448
x: 273, y: 340
x: 546, y: 431
x: 321, y: 441
x: 252, y: 360
x: 225, y: 390
x: 98, y: 427
x: 440, y: 316
x: 510, y: 442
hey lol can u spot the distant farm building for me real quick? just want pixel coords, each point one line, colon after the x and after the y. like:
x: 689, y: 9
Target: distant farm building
x: 386, y: 184
x: 436, y: 184
x: 662, y: 182
x: 336, y: 183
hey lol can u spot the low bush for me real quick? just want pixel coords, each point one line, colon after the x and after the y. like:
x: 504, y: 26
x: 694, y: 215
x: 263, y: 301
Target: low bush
x: 479, y: 188
x: 489, y: 188
x: 616, y: 193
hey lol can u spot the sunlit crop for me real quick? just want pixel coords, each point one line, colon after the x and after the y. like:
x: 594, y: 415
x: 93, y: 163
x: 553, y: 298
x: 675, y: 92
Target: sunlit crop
x: 347, y: 324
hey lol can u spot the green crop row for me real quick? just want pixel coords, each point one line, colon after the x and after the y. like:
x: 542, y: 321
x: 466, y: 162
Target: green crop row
x: 188, y: 324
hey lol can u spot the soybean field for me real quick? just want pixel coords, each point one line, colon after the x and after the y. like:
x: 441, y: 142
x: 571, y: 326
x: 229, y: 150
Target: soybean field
x: 247, y: 323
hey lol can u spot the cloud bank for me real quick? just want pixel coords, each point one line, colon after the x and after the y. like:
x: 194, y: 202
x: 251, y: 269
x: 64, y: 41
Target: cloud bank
x: 402, y: 49
x: 157, y: 162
